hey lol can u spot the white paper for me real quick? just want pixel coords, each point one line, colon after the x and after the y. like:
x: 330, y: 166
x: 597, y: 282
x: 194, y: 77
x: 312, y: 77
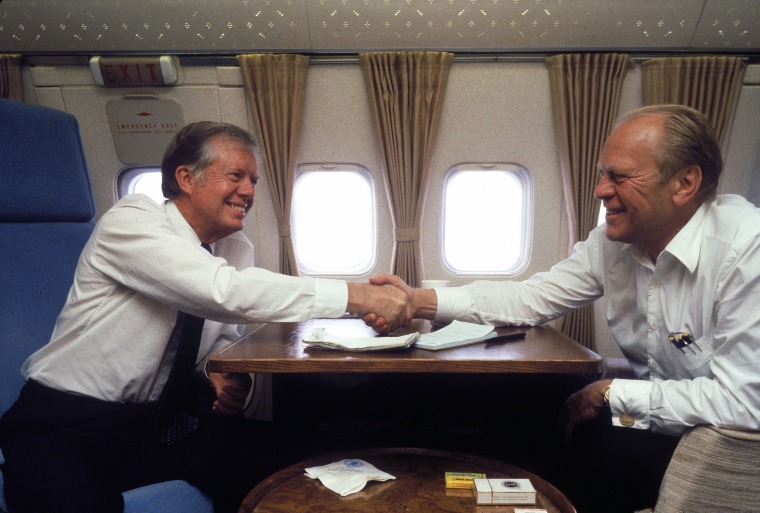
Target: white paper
x: 321, y: 339
x: 456, y: 334
x: 347, y: 476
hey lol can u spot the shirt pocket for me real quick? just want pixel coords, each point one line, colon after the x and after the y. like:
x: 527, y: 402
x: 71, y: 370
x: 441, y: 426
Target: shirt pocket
x: 691, y: 360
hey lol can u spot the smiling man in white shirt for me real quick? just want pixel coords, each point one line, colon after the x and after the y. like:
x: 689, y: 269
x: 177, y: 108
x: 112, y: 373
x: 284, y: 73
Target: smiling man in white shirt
x: 679, y: 268
x: 82, y: 430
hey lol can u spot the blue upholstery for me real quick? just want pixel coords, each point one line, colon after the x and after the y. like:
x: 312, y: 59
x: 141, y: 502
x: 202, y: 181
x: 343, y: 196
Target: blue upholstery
x: 46, y: 217
x: 168, y: 497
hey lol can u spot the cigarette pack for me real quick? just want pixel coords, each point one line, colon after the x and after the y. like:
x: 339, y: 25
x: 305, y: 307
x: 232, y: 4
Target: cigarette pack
x: 512, y: 491
x: 504, y: 491
x: 462, y: 479
x: 459, y: 492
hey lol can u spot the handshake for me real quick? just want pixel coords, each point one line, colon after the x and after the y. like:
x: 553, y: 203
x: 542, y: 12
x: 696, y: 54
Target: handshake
x: 387, y: 302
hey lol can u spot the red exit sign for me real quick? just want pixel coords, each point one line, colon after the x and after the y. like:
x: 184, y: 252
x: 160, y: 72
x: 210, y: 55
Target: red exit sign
x: 135, y: 71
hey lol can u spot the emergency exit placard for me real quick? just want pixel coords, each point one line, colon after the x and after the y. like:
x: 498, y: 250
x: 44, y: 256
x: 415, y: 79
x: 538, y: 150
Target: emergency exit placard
x: 142, y: 126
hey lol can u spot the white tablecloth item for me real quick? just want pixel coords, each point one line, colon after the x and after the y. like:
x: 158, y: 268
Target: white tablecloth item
x: 347, y: 476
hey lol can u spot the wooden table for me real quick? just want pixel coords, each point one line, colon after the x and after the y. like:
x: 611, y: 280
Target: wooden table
x: 278, y: 348
x: 418, y: 487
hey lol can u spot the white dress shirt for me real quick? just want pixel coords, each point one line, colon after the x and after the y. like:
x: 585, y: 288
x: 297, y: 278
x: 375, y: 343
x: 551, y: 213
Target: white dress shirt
x: 706, y: 283
x: 143, y: 263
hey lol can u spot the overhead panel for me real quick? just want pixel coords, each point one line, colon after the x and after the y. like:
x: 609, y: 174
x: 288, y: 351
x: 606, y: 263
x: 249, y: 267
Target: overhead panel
x: 176, y: 27
x: 503, y: 24
x: 157, y: 26
x: 728, y: 24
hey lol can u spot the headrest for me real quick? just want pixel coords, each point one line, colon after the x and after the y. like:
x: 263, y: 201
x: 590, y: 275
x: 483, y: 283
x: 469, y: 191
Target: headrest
x: 43, y: 174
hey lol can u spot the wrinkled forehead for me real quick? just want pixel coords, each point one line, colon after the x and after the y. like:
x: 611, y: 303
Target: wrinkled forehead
x: 636, y: 140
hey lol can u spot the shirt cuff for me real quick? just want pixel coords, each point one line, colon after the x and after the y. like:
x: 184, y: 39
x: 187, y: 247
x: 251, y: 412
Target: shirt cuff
x: 453, y: 303
x: 330, y: 298
x: 629, y: 403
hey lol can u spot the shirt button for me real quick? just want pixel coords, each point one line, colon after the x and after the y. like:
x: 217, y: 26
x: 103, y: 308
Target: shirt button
x: 626, y: 420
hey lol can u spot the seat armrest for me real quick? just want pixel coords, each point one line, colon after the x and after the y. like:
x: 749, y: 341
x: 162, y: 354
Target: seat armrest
x: 712, y: 469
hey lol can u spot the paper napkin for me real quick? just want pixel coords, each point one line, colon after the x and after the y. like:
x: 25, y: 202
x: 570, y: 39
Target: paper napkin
x: 347, y: 476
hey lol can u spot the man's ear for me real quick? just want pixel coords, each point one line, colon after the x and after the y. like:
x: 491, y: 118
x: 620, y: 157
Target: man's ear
x: 687, y: 185
x: 185, y: 179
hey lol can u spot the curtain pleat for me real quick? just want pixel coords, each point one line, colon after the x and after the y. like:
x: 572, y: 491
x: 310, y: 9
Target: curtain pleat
x: 709, y: 84
x: 275, y: 86
x: 10, y: 77
x: 406, y: 91
x: 586, y: 91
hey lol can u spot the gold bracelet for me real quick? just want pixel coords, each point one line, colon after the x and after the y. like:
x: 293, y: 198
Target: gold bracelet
x: 607, y: 395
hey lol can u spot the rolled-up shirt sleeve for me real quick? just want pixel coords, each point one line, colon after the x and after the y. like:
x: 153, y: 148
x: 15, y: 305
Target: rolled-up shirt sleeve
x: 630, y: 403
x: 569, y: 284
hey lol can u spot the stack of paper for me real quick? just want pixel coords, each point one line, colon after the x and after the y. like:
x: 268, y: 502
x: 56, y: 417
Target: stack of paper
x: 456, y: 334
x: 321, y: 339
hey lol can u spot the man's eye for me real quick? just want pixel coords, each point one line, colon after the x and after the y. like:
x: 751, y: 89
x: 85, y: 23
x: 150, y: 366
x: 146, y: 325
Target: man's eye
x: 612, y: 176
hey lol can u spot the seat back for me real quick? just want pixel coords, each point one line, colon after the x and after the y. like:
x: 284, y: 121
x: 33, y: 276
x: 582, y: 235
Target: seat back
x: 46, y: 216
x: 713, y: 469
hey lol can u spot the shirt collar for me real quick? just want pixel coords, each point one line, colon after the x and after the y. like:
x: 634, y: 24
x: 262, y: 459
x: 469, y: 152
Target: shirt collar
x: 179, y: 224
x: 687, y: 243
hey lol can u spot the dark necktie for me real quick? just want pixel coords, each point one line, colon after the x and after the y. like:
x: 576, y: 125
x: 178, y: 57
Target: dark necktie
x: 172, y: 424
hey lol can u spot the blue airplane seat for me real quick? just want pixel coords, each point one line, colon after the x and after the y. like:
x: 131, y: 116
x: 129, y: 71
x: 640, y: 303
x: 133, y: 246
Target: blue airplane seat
x: 46, y: 217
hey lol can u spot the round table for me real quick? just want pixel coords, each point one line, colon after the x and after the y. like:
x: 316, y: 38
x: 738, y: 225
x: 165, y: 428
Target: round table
x: 419, y: 486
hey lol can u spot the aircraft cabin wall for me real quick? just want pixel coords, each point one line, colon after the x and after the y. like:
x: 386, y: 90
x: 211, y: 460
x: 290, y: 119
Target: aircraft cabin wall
x: 494, y: 111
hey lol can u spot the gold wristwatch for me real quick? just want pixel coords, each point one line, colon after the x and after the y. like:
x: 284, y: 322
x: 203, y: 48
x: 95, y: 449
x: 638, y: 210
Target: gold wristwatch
x: 607, y: 395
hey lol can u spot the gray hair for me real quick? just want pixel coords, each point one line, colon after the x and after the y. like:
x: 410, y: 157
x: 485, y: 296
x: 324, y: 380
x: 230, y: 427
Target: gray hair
x: 688, y: 138
x: 191, y: 147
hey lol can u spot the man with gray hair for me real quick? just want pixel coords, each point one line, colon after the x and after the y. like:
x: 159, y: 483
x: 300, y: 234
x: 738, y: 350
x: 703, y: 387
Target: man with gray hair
x: 679, y: 267
x: 103, y: 409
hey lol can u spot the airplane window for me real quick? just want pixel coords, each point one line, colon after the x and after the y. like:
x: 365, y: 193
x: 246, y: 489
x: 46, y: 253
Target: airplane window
x: 486, y: 218
x: 146, y: 180
x: 333, y: 216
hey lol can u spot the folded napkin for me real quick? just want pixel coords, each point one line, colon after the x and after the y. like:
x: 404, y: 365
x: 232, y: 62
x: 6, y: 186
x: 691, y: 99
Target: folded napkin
x: 347, y: 476
x: 320, y: 338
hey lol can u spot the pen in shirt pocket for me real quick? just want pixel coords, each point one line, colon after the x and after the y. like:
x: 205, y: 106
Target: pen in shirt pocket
x: 681, y: 340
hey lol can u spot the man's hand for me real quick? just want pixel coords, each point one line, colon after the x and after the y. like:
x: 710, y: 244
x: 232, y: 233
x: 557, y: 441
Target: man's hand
x: 385, y: 302
x: 231, y: 392
x: 391, y: 279
x: 376, y: 321
x: 582, y: 406
x: 421, y: 303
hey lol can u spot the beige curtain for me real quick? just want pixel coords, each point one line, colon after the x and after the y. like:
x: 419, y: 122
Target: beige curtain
x: 586, y: 92
x: 406, y: 91
x: 275, y: 86
x: 10, y: 77
x: 709, y: 84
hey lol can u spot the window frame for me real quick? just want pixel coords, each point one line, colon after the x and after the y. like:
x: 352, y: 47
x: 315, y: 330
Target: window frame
x: 126, y: 176
x: 525, y: 178
x: 371, y: 261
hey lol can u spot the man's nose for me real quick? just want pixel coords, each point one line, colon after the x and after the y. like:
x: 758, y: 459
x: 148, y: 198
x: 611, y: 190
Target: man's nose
x: 604, y: 188
x: 247, y: 189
